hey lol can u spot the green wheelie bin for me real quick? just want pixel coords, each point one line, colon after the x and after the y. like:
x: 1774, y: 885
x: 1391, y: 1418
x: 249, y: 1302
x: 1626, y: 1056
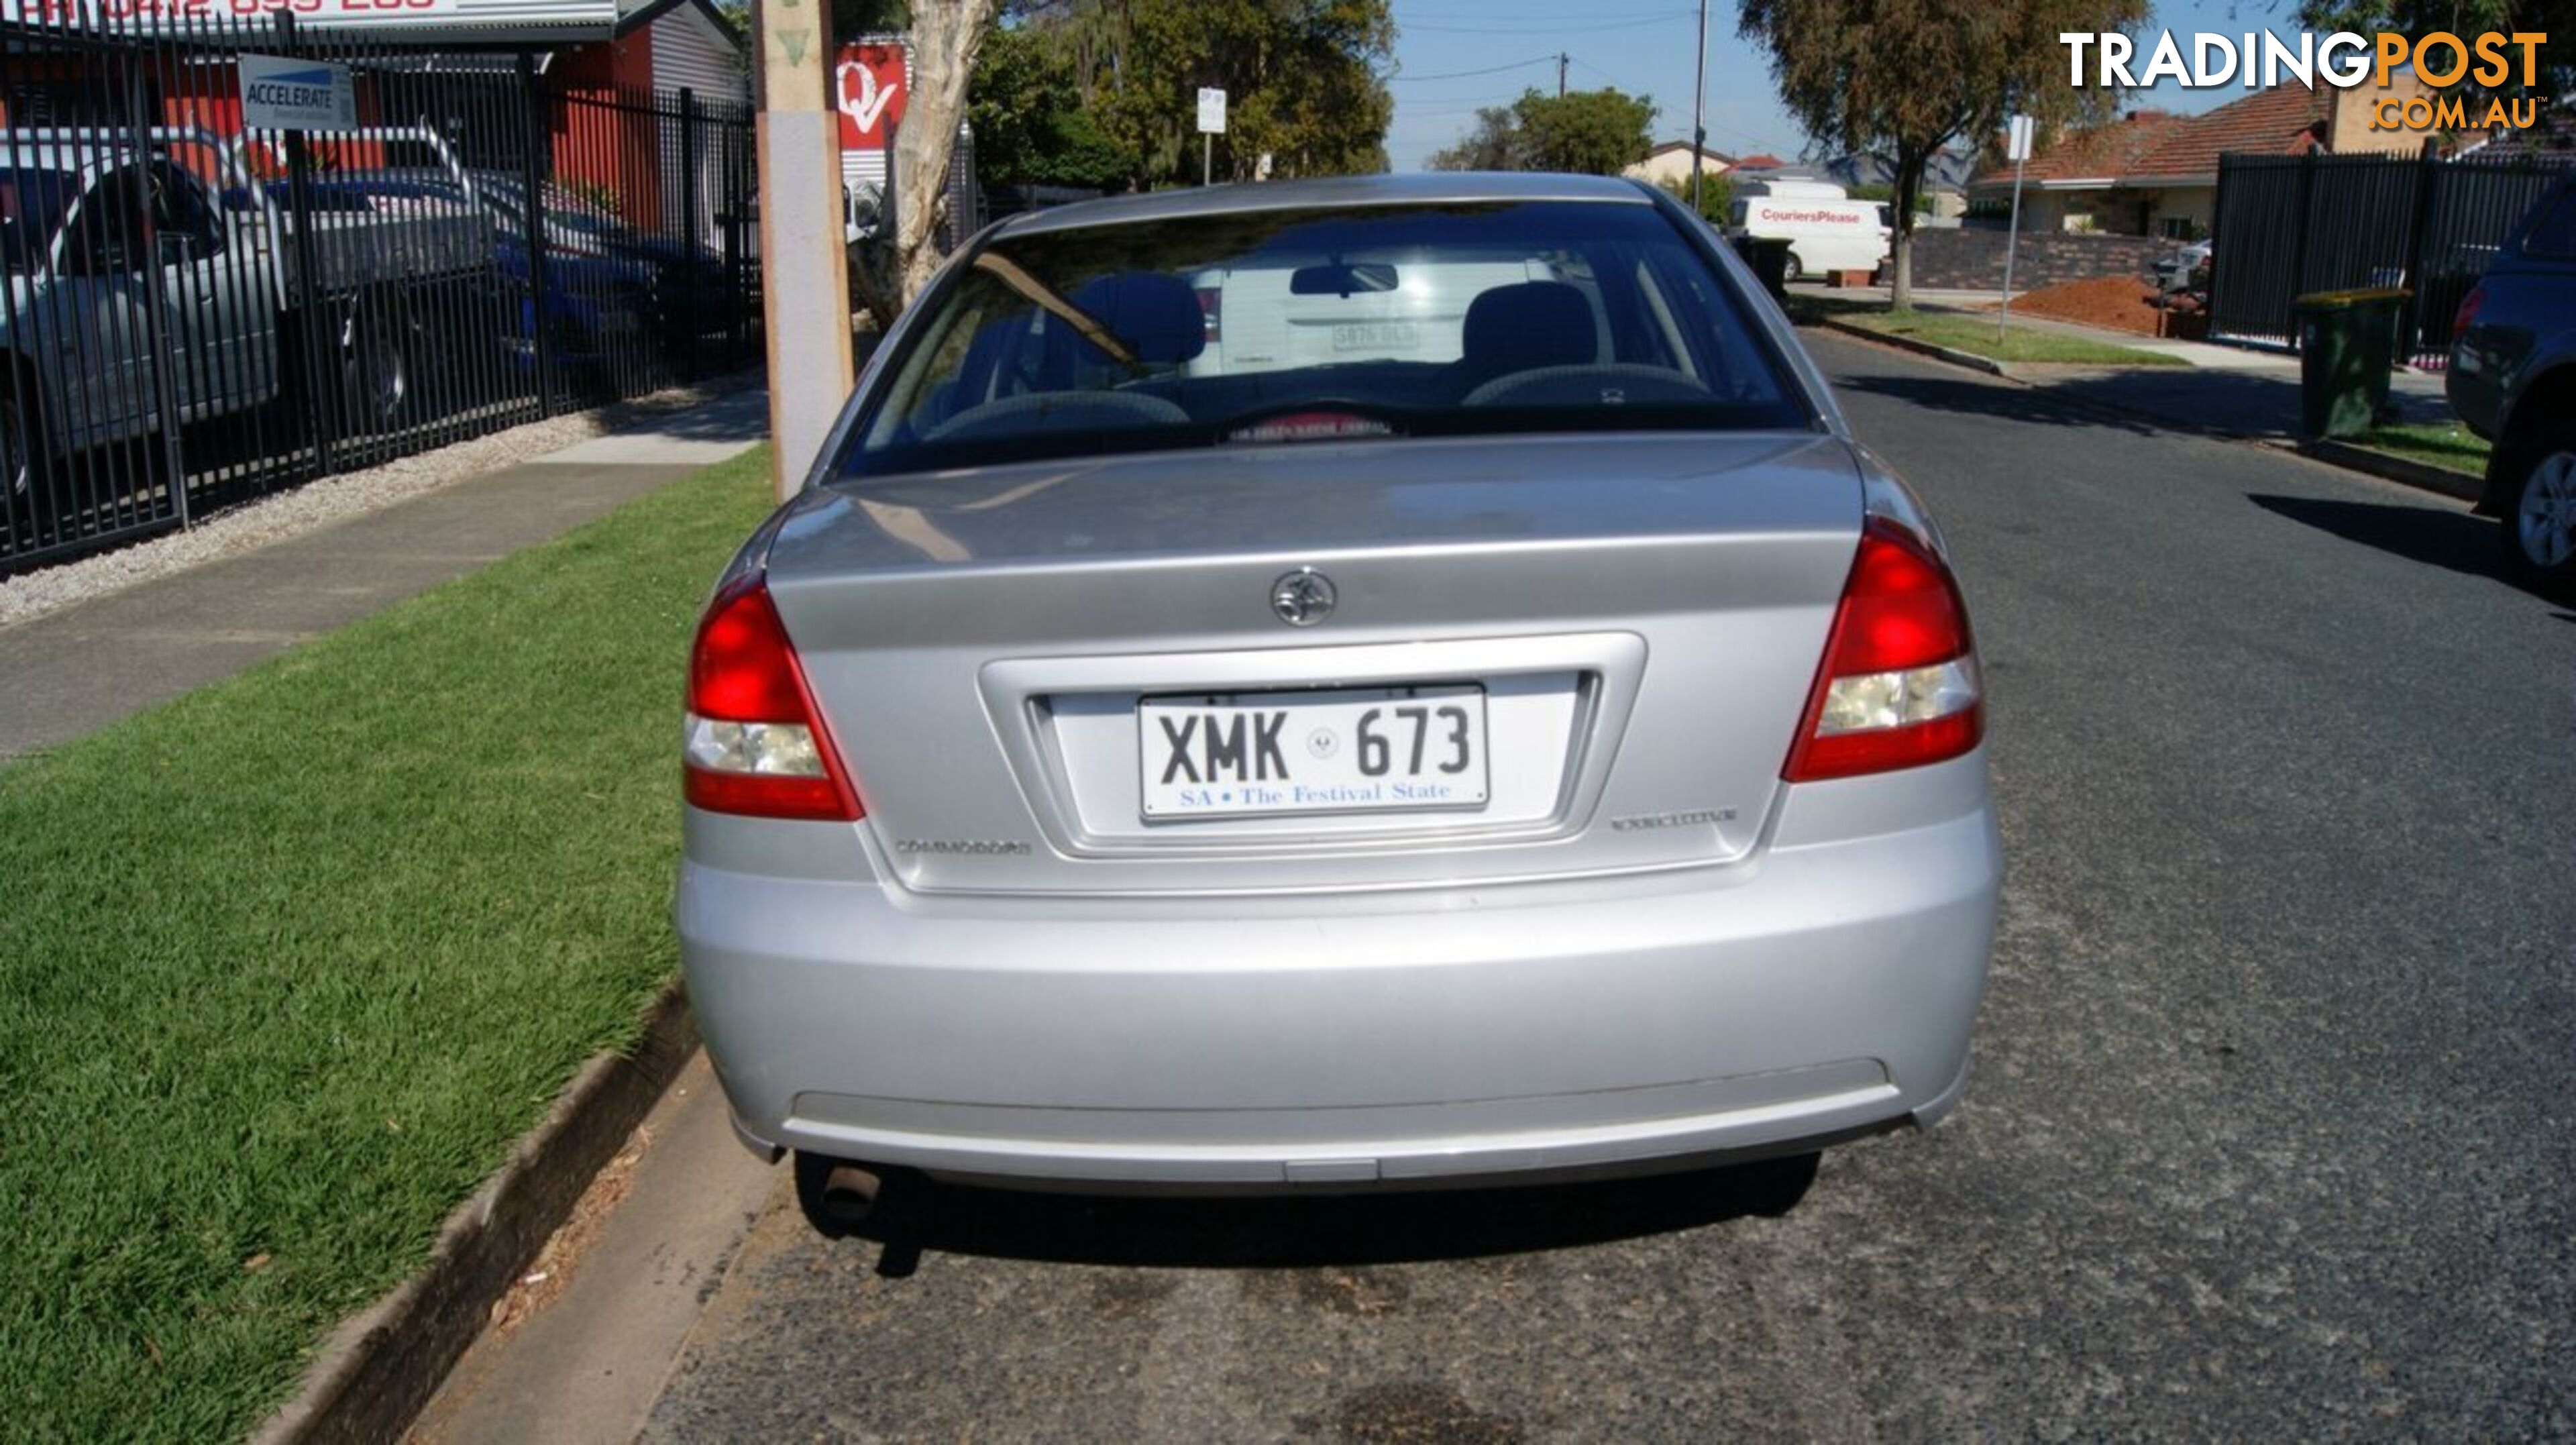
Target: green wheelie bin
x: 2347, y: 347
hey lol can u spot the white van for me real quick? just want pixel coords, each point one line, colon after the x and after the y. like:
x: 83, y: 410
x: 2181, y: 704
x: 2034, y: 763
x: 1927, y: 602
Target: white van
x: 1398, y: 309
x: 1825, y: 228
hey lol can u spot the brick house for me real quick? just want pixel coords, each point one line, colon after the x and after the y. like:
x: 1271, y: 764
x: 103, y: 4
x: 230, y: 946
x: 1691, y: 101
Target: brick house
x: 2154, y: 173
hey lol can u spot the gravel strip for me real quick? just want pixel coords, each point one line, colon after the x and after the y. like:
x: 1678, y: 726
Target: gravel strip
x: 326, y: 500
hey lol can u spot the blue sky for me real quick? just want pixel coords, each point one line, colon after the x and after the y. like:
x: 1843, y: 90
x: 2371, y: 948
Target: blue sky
x: 1645, y: 46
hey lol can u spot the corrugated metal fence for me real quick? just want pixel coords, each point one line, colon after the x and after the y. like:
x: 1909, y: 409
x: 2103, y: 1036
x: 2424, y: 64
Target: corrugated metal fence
x: 199, y: 313
x: 2290, y: 225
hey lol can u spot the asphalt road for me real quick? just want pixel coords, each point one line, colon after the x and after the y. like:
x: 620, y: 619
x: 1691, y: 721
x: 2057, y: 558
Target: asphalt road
x: 2271, y: 1124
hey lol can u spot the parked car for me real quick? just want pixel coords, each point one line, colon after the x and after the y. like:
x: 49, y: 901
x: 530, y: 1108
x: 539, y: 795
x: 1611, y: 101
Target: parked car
x: 2185, y: 269
x: 1548, y: 747
x: 2512, y: 379
x: 112, y: 244
x: 598, y: 300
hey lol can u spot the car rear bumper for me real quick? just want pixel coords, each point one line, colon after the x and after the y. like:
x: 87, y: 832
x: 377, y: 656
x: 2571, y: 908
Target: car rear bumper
x: 1351, y: 1041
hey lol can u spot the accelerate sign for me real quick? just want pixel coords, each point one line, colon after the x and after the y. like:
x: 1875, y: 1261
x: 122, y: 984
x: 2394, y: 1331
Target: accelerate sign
x: 279, y: 93
x: 552, y: 15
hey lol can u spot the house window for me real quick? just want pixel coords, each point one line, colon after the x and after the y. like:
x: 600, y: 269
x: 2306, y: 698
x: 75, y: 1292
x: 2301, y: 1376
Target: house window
x: 2177, y: 228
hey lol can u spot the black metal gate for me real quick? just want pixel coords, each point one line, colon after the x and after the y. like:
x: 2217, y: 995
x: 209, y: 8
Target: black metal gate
x: 2290, y: 225
x: 198, y: 313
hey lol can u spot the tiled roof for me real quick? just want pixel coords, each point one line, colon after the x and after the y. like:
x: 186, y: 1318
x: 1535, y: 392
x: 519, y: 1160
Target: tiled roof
x: 2155, y: 143
x: 2102, y: 151
x: 1762, y: 161
x: 2271, y: 122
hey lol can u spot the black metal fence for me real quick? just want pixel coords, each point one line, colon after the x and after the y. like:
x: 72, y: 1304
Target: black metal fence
x: 198, y: 313
x: 2289, y: 225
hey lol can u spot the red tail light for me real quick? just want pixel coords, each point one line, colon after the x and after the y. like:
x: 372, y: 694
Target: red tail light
x: 2468, y: 311
x: 1899, y: 685
x: 755, y: 742
x: 1212, y: 310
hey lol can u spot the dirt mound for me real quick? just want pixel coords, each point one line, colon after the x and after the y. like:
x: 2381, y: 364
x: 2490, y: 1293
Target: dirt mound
x: 2117, y: 303
x: 2121, y: 303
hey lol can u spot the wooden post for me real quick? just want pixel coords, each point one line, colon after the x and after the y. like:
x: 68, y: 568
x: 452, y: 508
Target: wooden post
x: 805, y: 281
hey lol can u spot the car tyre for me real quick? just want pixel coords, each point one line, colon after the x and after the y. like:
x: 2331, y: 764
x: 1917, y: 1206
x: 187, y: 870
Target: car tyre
x: 2540, y: 511
x: 377, y: 343
x: 1790, y: 270
x: 31, y: 497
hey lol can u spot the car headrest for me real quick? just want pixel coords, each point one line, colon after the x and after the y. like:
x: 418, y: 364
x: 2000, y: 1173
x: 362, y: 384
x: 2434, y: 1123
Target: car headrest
x: 1157, y: 316
x: 1527, y: 326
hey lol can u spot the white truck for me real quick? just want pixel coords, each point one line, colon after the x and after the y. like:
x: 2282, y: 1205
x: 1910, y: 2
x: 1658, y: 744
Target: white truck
x: 113, y: 248
x: 1826, y: 229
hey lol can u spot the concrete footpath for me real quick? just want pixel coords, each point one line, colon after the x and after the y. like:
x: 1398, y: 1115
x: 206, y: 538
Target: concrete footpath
x: 2217, y: 390
x: 75, y: 671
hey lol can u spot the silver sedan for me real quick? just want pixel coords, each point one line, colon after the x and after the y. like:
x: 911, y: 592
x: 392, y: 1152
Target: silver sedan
x: 1333, y: 685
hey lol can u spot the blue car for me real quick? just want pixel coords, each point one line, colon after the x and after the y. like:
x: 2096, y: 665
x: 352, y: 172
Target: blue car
x: 595, y: 305
x: 2513, y: 381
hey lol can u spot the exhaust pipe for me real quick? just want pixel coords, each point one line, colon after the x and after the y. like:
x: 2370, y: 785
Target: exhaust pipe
x: 837, y: 1195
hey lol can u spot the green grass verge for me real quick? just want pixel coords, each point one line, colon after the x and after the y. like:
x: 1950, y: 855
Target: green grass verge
x: 2444, y: 444
x: 287, y: 964
x: 1976, y: 336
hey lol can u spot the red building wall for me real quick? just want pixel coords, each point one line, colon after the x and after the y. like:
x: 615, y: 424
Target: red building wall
x: 604, y: 142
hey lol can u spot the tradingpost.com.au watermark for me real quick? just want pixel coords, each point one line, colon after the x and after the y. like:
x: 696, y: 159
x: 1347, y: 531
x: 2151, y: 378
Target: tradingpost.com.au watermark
x: 2344, y: 59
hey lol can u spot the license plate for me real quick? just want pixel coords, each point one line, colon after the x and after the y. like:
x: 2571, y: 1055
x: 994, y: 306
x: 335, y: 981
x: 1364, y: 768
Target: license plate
x: 1346, y: 751
x: 1377, y: 336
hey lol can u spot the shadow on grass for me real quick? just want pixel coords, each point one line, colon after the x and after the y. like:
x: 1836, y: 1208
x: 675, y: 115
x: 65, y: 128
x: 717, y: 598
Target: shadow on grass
x: 914, y: 1215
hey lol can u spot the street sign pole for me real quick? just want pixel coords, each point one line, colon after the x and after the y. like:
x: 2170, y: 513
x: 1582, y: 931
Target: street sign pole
x: 1211, y: 125
x: 1699, y: 110
x: 2018, y: 145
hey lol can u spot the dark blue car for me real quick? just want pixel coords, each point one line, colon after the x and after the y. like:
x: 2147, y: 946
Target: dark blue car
x: 2513, y: 381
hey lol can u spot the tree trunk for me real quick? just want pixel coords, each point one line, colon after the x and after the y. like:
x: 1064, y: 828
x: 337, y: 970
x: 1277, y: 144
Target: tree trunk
x: 945, y: 36
x: 1909, y: 180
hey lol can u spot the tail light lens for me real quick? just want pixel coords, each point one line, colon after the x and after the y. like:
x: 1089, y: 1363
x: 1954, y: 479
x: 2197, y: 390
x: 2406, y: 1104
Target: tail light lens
x: 2468, y: 311
x: 1212, y: 311
x: 755, y: 742
x: 1899, y: 685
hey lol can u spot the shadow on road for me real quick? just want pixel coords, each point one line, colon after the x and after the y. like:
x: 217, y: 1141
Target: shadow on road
x: 2045, y: 406
x: 915, y: 1215
x: 2455, y: 540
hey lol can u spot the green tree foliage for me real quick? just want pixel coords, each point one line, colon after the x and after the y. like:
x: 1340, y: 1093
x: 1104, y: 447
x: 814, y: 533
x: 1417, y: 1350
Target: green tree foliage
x: 1030, y: 124
x: 1881, y: 191
x: 1303, y: 93
x: 1492, y: 145
x: 1716, y: 195
x: 1595, y: 132
x: 2466, y: 19
x: 1901, y: 78
x: 854, y: 18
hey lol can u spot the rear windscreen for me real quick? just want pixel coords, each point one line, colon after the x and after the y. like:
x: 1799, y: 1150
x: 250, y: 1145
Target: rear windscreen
x: 1276, y: 327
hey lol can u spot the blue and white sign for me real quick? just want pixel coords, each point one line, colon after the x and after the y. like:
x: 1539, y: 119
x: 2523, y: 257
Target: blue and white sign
x: 282, y: 94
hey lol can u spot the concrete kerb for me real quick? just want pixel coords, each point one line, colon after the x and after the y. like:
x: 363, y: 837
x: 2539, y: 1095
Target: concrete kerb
x: 2406, y: 471
x: 2369, y: 461
x: 1952, y: 355
x: 378, y: 1369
